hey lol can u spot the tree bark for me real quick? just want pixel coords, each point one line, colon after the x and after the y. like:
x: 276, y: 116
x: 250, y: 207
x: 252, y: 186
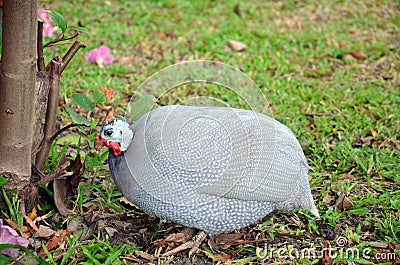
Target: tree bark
x: 17, y: 90
x: 54, y: 74
x: 41, y: 99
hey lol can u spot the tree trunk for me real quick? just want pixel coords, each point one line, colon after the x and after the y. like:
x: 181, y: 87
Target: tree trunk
x: 17, y: 90
x: 41, y: 98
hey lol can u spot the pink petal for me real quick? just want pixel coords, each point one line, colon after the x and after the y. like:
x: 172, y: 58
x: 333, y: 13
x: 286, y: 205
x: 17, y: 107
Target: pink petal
x: 48, y: 30
x: 91, y: 57
x: 9, y: 252
x: 109, y: 59
x: 100, y: 56
x: 43, y: 14
x: 104, y: 50
x: 10, y: 236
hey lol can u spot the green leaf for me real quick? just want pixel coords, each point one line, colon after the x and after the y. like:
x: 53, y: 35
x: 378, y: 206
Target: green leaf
x: 359, y: 211
x: 98, y: 97
x: 8, y: 202
x: 76, y: 118
x: 69, y: 139
x: 80, y: 29
x: 3, y: 181
x: 24, y: 249
x: 49, y: 192
x: 48, y: 254
x: 93, y: 125
x: 141, y: 107
x: 83, y: 101
x: 111, y: 259
x: 88, y: 255
x: 5, y: 260
x: 71, y: 249
x: 92, y: 138
x: 58, y: 20
x: 119, y: 117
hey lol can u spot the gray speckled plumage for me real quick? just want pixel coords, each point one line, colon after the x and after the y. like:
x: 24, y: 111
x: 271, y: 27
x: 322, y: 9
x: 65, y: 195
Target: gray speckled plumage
x: 212, y: 168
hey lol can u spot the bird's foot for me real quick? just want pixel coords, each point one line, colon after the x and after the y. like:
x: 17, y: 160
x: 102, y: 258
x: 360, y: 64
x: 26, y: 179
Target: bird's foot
x: 194, y: 244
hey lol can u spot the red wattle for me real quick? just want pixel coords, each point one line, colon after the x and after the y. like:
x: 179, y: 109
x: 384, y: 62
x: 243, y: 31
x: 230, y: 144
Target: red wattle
x: 115, y: 147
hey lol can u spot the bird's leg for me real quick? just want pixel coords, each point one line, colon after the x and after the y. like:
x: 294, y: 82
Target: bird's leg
x: 194, y: 244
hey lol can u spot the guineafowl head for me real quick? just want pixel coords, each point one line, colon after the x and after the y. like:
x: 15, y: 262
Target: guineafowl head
x: 117, y: 135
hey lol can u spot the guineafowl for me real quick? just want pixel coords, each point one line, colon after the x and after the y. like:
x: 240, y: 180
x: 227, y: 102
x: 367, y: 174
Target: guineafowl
x: 213, y: 168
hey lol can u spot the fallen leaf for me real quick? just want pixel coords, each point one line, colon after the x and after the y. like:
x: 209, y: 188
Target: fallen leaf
x: 160, y: 35
x: 358, y: 55
x: 12, y: 224
x: 365, y: 141
x: 65, y: 187
x: 176, y: 238
x: 327, y: 198
x: 171, y: 34
x: 296, y: 220
x: 343, y: 203
x: 55, y: 241
x: 347, y: 57
x: 91, y: 206
x: 25, y: 232
x: 144, y: 255
x: 370, y: 168
x: 33, y: 214
x: 109, y: 117
x: 31, y: 223
x: 108, y: 92
x: 373, y: 132
x: 75, y: 224
x: 237, y: 46
x: 227, y: 240
x: 222, y: 239
x: 237, y: 11
x: 215, y: 258
x: 110, y: 231
x: 45, y: 232
x: 224, y: 256
x: 120, y: 224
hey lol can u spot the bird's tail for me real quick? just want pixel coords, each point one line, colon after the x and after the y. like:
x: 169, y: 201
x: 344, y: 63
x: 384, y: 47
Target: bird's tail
x: 304, y: 196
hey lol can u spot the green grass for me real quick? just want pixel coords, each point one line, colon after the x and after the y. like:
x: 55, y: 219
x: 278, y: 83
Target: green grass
x: 345, y: 113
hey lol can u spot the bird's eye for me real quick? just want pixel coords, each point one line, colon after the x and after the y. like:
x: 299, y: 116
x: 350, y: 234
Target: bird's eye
x: 108, y: 132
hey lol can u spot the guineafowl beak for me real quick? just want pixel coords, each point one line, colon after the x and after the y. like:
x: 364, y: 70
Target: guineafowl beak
x: 99, y: 142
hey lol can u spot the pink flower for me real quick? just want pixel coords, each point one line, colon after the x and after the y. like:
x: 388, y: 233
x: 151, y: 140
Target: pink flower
x: 43, y: 14
x: 101, y: 56
x: 48, y: 30
x: 10, y: 236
